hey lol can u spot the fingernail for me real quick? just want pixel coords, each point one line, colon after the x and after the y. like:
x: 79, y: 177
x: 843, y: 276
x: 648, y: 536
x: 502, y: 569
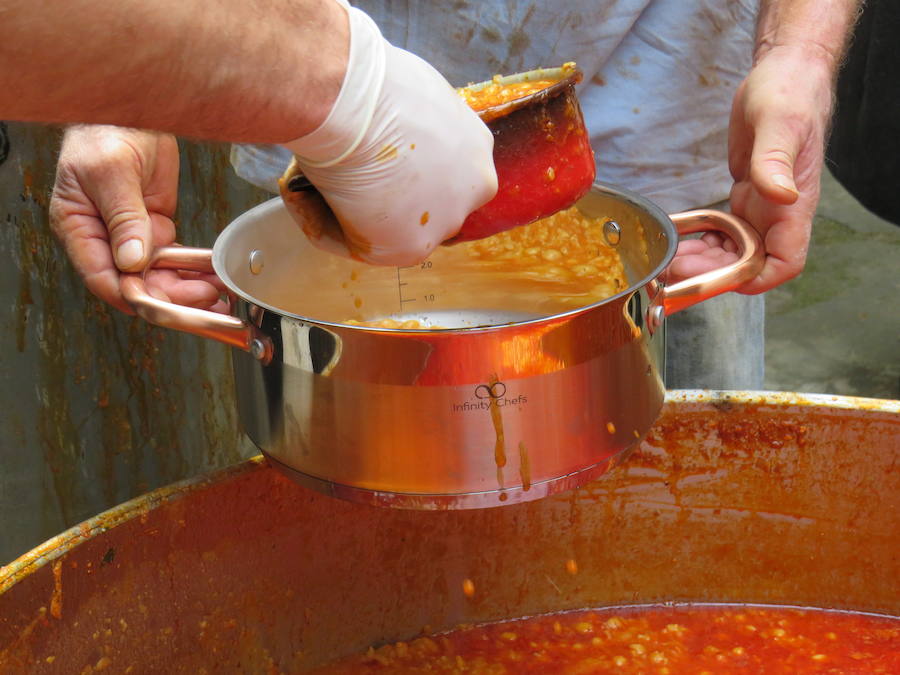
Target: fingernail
x: 130, y: 253
x: 783, y: 181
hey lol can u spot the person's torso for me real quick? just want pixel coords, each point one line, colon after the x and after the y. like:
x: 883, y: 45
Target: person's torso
x: 659, y: 74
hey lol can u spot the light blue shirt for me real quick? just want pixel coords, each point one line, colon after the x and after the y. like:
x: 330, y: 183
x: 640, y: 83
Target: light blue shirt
x: 659, y: 80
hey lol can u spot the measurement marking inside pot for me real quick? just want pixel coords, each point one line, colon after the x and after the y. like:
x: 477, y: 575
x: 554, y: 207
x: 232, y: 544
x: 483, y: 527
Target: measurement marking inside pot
x: 400, y: 285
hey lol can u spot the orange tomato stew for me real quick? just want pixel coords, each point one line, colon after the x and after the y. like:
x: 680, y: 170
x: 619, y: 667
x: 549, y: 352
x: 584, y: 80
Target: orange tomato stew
x: 405, y: 324
x: 665, y: 640
x: 565, y: 255
x: 497, y: 92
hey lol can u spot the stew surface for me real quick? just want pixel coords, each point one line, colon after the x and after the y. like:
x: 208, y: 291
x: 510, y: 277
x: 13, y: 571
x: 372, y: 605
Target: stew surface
x: 665, y: 640
x: 563, y: 260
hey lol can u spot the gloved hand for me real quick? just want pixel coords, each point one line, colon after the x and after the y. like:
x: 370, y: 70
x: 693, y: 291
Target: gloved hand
x: 400, y: 159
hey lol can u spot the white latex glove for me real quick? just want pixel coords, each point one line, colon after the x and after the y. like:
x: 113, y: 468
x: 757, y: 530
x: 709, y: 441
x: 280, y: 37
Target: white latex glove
x: 400, y: 159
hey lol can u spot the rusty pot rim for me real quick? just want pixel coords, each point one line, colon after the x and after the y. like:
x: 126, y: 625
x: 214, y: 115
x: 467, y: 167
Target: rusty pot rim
x: 66, y: 541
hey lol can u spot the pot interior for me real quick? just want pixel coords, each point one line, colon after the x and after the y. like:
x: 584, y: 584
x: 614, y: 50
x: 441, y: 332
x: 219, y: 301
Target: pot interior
x: 529, y: 273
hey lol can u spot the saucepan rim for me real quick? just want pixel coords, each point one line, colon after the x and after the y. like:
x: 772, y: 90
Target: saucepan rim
x: 223, y: 241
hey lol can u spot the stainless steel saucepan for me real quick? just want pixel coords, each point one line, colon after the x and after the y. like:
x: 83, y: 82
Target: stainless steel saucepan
x: 508, y: 393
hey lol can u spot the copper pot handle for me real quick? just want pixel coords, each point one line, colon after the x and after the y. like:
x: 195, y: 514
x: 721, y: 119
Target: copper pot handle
x: 696, y: 289
x: 228, y: 329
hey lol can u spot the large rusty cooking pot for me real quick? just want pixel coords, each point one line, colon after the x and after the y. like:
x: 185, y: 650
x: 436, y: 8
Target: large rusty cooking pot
x: 732, y: 497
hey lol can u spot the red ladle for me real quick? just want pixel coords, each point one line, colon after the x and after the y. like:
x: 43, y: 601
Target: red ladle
x: 542, y: 154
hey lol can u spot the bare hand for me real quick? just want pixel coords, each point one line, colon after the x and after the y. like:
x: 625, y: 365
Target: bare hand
x: 777, y: 132
x: 113, y: 201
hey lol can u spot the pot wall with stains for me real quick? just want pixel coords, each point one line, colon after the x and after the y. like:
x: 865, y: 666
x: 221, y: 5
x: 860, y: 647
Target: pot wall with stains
x: 98, y: 407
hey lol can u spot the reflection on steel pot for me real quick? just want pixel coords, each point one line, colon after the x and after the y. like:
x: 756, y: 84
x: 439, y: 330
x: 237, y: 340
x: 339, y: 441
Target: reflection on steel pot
x: 520, y: 395
x: 733, y: 497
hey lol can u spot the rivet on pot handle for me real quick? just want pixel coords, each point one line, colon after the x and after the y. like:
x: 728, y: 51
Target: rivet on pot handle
x: 221, y: 327
x: 696, y: 289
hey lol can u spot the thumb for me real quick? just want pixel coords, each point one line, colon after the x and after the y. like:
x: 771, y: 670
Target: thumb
x: 120, y: 202
x: 775, y: 149
x: 119, y: 198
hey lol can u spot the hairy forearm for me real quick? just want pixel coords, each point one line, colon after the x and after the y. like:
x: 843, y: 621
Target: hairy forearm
x: 237, y: 70
x: 822, y: 27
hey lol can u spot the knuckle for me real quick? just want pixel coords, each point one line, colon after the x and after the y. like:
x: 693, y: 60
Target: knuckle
x: 112, y: 156
x: 62, y: 213
x: 122, y: 220
x: 58, y: 217
x: 65, y: 182
x: 56, y: 210
x: 777, y: 155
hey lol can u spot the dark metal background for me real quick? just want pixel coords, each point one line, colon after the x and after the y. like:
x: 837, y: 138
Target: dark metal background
x: 97, y: 407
